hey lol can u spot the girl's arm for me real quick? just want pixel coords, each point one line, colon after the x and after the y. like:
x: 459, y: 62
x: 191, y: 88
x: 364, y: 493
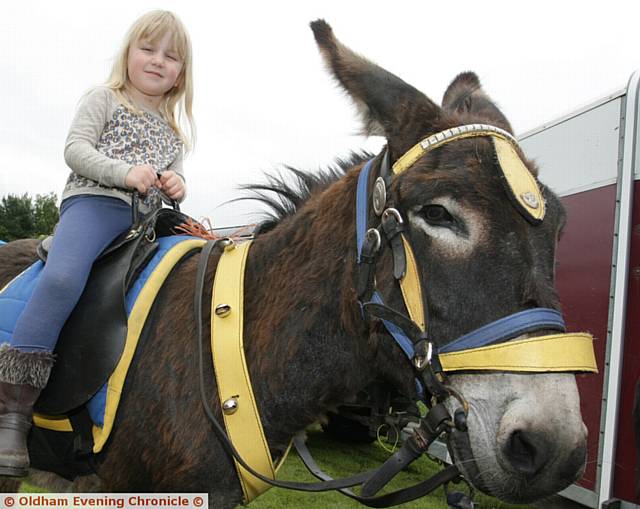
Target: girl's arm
x: 174, y: 168
x: 80, y: 153
x: 176, y: 165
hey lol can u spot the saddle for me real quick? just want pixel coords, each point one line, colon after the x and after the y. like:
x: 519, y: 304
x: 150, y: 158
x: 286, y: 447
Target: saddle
x: 92, y: 340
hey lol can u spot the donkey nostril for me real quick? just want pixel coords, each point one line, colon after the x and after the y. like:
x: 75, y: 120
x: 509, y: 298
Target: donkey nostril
x: 527, y: 452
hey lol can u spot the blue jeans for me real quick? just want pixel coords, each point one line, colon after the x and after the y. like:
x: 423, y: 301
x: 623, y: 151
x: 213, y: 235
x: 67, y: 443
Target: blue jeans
x: 88, y: 224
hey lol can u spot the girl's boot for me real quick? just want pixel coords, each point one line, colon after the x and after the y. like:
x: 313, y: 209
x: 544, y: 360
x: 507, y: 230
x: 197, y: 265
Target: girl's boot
x: 23, y: 375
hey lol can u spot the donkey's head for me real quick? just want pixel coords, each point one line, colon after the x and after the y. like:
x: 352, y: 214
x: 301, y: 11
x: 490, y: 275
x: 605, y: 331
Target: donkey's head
x: 480, y: 257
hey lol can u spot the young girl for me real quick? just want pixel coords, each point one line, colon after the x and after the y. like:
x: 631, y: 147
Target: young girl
x: 125, y: 136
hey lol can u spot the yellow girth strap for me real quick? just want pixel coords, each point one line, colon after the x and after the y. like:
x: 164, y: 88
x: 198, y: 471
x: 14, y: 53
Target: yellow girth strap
x: 553, y: 353
x: 524, y: 188
x: 241, y: 417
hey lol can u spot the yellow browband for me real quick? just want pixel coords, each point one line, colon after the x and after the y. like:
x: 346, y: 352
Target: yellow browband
x: 523, y: 185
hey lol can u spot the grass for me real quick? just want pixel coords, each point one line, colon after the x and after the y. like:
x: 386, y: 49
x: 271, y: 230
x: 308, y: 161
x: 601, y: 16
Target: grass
x: 340, y: 460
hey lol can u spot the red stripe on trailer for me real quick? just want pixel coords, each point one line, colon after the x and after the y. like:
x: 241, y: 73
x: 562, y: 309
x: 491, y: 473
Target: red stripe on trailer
x: 583, y: 280
x: 625, y: 459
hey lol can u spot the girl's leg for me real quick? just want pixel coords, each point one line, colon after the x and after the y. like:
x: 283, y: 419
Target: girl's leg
x: 88, y: 224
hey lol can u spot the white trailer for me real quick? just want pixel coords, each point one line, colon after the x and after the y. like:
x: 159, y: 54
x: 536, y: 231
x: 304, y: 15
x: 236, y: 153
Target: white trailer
x: 590, y: 157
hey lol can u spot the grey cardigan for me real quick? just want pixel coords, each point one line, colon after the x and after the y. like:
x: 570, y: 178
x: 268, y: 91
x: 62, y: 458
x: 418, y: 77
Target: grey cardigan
x: 106, y: 140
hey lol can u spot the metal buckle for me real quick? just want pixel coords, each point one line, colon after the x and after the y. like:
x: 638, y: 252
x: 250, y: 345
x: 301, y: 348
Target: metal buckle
x: 133, y: 232
x: 459, y: 421
x: 422, y: 359
x: 373, y: 235
x: 150, y: 235
x: 393, y: 212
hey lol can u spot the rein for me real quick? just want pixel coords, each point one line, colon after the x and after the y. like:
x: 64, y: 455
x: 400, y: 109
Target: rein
x: 326, y: 484
x: 491, y: 347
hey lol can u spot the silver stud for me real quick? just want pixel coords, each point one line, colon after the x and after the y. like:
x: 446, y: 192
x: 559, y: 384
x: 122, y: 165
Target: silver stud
x: 530, y: 200
x: 230, y: 406
x: 379, y: 196
x: 228, y: 244
x: 223, y: 310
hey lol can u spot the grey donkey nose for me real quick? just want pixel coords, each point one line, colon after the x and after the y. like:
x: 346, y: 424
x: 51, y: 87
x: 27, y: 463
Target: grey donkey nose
x: 527, y: 451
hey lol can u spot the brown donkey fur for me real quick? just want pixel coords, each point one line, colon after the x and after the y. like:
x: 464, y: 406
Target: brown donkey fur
x: 307, y: 346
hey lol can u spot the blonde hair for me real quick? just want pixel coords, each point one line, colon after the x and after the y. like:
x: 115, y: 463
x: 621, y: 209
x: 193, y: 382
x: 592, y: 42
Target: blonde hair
x: 177, y: 104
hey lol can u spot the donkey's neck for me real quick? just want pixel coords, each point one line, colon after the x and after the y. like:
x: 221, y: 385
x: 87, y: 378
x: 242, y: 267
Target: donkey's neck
x: 305, y: 338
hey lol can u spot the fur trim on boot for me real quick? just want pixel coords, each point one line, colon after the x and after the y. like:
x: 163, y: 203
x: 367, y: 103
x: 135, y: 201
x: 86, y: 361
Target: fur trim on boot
x: 25, y: 368
x: 23, y: 375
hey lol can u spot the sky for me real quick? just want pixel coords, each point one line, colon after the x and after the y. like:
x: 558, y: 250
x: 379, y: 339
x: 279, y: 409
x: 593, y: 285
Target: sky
x: 262, y: 97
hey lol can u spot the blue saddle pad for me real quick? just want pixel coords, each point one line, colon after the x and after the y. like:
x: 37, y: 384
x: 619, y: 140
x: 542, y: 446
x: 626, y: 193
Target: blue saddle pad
x: 15, y: 295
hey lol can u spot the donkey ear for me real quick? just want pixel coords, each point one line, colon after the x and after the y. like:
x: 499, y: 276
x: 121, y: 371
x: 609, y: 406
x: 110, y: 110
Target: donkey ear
x: 388, y: 106
x: 465, y: 96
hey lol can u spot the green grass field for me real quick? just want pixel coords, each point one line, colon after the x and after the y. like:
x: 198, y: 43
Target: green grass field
x: 338, y: 460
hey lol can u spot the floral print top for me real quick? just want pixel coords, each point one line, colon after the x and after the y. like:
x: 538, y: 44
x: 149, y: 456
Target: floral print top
x: 106, y: 140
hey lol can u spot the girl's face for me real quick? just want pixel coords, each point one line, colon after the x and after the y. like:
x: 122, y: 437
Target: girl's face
x: 154, y: 68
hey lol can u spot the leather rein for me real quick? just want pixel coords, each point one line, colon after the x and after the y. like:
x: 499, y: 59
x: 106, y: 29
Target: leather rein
x: 485, y: 348
x: 411, y: 449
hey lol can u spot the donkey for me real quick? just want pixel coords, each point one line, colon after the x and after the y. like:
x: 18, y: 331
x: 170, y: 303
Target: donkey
x: 307, y: 346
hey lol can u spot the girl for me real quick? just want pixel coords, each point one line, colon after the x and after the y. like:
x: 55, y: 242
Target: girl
x: 125, y: 136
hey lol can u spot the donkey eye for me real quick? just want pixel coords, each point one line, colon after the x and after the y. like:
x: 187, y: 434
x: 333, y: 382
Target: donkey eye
x: 437, y: 215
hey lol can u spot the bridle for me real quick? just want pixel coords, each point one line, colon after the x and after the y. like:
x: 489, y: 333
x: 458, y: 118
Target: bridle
x: 410, y: 331
x: 491, y: 347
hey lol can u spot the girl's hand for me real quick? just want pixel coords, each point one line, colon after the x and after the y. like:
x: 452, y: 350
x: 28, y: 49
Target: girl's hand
x: 172, y: 185
x: 142, y: 178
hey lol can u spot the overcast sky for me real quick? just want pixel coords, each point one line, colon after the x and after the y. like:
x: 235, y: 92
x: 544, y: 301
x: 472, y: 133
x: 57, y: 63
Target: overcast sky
x: 262, y: 96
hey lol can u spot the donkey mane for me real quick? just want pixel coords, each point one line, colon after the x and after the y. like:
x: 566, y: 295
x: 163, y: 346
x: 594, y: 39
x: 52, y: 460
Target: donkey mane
x: 285, y: 193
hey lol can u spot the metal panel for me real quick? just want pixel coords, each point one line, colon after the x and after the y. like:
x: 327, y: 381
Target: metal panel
x: 592, y: 149
x: 574, y: 113
x: 580, y: 152
x: 580, y: 495
x: 621, y: 250
x: 625, y: 456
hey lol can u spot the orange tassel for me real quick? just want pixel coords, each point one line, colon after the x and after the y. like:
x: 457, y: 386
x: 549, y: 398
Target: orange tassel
x: 204, y: 229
